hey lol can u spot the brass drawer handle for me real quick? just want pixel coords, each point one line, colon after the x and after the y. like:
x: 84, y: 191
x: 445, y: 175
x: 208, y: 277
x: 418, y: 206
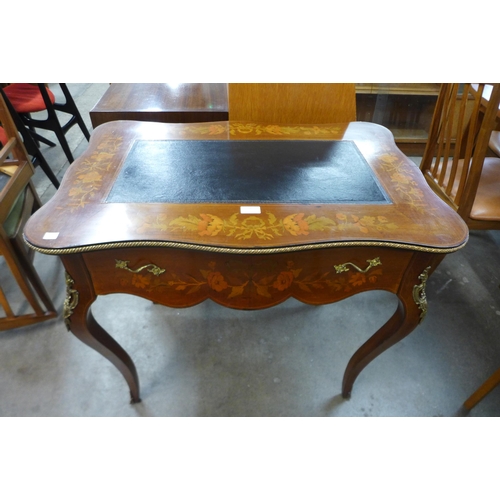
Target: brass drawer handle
x: 152, y: 268
x: 342, y: 268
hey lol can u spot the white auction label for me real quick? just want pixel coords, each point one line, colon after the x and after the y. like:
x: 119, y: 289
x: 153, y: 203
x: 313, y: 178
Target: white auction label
x: 249, y: 210
x: 50, y: 236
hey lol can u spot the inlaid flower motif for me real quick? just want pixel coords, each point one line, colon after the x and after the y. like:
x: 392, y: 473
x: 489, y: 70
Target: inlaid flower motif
x: 357, y: 279
x: 90, y: 177
x: 365, y: 223
x: 141, y: 281
x: 235, y: 279
x: 283, y: 280
x: 315, y: 130
x: 274, y: 129
x: 367, y: 220
x: 216, y: 281
x: 90, y: 172
x: 242, y: 128
x: 388, y: 158
x: 76, y: 191
x: 400, y: 178
x: 210, y: 225
x: 267, y: 227
x: 416, y: 193
x: 216, y: 129
x: 295, y: 224
x: 253, y: 223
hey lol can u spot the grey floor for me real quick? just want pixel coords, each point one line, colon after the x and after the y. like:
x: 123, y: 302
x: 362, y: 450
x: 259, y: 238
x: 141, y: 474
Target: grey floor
x: 285, y: 361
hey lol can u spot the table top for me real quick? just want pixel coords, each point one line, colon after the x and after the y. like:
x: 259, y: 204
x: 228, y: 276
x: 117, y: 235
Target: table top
x: 168, y: 102
x: 164, y: 96
x: 401, y: 211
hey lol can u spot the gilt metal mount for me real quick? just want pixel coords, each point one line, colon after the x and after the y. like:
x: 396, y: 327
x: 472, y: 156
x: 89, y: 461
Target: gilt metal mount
x: 419, y: 295
x: 343, y: 268
x: 71, y: 300
x: 152, y: 268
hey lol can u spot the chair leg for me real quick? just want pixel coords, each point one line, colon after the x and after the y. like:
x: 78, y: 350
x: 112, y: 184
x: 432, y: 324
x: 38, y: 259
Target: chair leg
x: 40, y: 160
x: 21, y: 278
x: 32, y: 275
x: 37, y: 138
x: 73, y: 109
x: 40, y: 138
x: 5, y: 304
x: 31, y: 205
x: 485, y: 389
x: 64, y: 144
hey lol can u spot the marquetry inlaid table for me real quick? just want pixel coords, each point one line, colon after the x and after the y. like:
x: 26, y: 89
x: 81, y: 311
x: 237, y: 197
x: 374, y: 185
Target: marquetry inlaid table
x: 247, y: 215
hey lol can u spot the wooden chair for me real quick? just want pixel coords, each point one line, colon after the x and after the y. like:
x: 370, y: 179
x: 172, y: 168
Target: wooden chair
x: 18, y: 200
x: 495, y: 142
x: 27, y: 98
x: 455, y: 163
x: 485, y: 389
x: 299, y: 103
x: 30, y: 144
x: 456, y: 167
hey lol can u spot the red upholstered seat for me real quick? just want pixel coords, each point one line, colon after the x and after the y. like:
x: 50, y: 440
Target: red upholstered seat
x: 26, y: 98
x: 30, y: 144
x: 3, y: 137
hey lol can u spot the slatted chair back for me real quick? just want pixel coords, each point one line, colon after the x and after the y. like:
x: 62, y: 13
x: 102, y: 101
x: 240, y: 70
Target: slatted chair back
x: 455, y: 163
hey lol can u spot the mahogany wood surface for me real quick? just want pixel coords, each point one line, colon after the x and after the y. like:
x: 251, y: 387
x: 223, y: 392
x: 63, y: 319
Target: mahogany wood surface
x: 181, y: 254
x: 162, y: 102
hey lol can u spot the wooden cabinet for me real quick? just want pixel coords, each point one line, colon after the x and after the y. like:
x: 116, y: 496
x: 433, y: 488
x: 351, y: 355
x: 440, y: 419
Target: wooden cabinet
x: 404, y: 108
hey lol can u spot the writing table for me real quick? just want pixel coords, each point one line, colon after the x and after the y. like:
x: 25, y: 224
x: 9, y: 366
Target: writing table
x: 247, y: 215
x: 162, y: 102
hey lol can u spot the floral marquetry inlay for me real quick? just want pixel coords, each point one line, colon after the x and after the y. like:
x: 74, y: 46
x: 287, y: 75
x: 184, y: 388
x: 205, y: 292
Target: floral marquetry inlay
x: 90, y: 172
x: 282, y: 130
x: 266, y: 227
x: 402, y: 176
x: 256, y: 129
x: 238, y: 278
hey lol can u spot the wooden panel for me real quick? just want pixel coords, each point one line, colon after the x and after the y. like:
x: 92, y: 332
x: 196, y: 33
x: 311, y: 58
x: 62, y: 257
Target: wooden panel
x: 162, y: 102
x: 292, y: 102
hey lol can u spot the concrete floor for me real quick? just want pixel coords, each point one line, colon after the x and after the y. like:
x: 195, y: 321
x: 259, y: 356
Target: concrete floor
x: 286, y: 361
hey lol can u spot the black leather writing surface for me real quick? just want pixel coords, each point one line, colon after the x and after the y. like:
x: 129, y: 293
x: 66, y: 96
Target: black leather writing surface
x: 246, y: 172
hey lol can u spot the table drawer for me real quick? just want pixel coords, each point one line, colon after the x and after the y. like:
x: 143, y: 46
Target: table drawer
x: 181, y: 278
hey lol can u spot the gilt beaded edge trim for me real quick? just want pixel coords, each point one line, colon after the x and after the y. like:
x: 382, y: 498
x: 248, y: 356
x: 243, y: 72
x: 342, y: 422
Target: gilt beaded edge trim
x: 240, y: 251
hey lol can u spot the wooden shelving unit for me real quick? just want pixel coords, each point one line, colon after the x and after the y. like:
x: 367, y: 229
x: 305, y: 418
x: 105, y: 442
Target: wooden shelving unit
x: 404, y: 108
